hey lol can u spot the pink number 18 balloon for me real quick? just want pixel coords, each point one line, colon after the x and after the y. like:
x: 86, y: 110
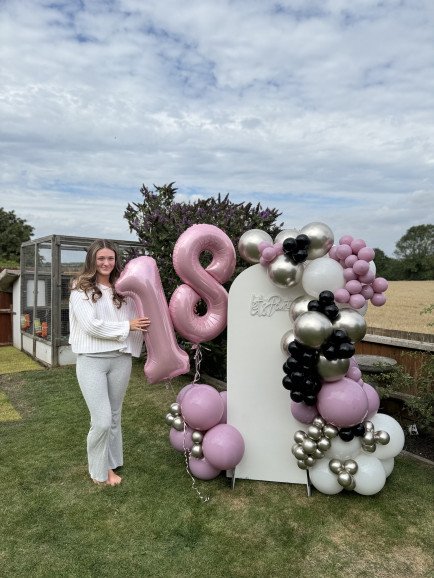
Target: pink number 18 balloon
x: 141, y: 281
x: 201, y: 283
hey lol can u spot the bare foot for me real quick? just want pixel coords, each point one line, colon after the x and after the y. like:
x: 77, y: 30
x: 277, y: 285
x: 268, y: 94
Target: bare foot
x: 113, y: 479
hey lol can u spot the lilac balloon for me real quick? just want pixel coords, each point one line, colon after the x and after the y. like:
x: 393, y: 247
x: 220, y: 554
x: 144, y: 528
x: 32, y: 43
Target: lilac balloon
x: 343, y: 403
x: 353, y: 287
x: 354, y: 373
x: 223, y: 446
x: 379, y: 285
x: 224, y: 396
x: 202, y: 407
x: 367, y: 278
x: 378, y: 299
x: 332, y: 253
x: 367, y: 291
x: 353, y: 362
x: 361, y: 267
x: 341, y: 296
x: 349, y: 275
x: 373, y: 399
x: 357, y: 301
x: 346, y: 240
x: 366, y: 254
x: 343, y: 251
x: 350, y: 260
x: 183, y: 391
x: 357, y: 244
x: 179, y: 440
x: 202, y: 469
x: 303, y: 413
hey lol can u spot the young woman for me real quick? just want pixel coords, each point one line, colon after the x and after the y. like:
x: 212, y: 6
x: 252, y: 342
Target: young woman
x: 104, y: 332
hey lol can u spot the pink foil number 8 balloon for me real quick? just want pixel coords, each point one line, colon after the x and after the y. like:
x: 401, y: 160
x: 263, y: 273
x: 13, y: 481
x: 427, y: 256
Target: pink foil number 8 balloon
x: 200, y: 283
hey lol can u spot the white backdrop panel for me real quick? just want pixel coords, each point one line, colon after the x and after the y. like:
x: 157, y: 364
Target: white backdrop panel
x: 258, y: 405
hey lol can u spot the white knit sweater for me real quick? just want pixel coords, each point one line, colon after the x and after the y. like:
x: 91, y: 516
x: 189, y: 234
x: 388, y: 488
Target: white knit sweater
x: 100, y: 326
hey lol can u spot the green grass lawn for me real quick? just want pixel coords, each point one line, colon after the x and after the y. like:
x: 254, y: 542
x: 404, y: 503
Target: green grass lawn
x: 55, y: 522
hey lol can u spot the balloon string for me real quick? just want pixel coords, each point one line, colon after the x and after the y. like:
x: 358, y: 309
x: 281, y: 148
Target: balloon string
x: 203, y: 498
x: 197, y: 362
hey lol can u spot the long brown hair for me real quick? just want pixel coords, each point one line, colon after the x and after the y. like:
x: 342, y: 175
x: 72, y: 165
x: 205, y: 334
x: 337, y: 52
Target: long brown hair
x: 87, y: 280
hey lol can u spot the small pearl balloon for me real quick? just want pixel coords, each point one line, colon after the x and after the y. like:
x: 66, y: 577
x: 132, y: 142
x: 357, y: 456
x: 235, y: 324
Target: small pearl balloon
x: 379, y: 285
x: 353, y: 287
x: 361, y: 267
x: 350, y: 260
x: 343, y: 251
x: 349, y: 275
x: 346, y: 240
x: 366, y: 254
x: 357, y: 244
x: 342, y: 296
x: 367, y: 278
x: 357, y: 301
x: 367, y: 291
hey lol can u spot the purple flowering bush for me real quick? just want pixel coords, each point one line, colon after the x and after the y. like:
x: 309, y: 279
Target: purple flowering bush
x: 159, y: 220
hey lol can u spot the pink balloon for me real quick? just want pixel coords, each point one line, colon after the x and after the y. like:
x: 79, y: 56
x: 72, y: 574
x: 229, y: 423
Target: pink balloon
x: 343, y: 251
x: 373, y: 399
x: 353, y: 287
x: 268, y: 254
x: 366, y: 254
x: 367, y: 278
x: 278, y: 247
x: 367, y: 291
x: 346, y: 240
x: 378, y: 299
x: 183, y: 391
x: 350, y: 260
x: 354, y: 373
x: 262, y: 245
x: 141, y: 281
x: 178, y: 440
x: 353, y: 362
x: 202, y: 469
x: 303, y: 413
x: 349, y: 274
x: 200, y: 283
x: 202, y: 407
x: 357, y: 244
x: 332, y: 253
x: 361, y: 267
x: 224, y: 396
x: 341, y: 296
x: 379, y: 285
x: 223, y: 446
x: 357, y: 301
x: 342, y: 403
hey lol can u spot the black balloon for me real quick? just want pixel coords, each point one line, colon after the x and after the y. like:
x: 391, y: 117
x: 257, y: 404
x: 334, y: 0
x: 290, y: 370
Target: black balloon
x: 346, y: 434
x: 326, y: 297
x: 287, y: 383
x: 296, y: 396
x: 314, y: 305
x: 289, y: 245
x: 359, y: 430
x: 346, y: 350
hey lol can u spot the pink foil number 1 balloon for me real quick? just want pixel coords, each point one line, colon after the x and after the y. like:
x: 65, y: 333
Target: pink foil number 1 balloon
x: 201, y: 283
x: 141, y: 281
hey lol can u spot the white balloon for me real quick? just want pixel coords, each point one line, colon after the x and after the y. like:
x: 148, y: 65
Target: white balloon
x: 323, y: 479
x: 370, y: 476
x: 388, y: 465
x: 343, y: 450
x: 280, y: 237
x: 372, y: 267
x: 321, y: 275
x: 361, y: 311
x: 388, y: 424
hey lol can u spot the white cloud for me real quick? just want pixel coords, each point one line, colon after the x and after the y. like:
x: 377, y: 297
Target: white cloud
x: 321, y: 109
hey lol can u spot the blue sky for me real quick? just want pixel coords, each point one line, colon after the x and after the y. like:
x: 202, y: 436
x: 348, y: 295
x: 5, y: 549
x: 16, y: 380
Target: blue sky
x: 323, y: 109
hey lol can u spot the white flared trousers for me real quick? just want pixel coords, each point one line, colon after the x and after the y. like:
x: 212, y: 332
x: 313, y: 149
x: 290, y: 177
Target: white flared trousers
x: 103, y: 382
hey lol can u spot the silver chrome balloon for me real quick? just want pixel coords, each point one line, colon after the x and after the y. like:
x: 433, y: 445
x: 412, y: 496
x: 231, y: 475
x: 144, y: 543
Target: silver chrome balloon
x: 299, y: 436
x: 351, y: 466
x: 248, y: 245
x: 345, y: 479
x: 175, y: 409
x: 353, y: 323
x: 299, y: 306
x: 286, y: 340
x: 178, y: 423
x: 197, y: 437
x: 169, y: 419
x: 308, y: 445
x: 312, y: 329
x: 285, y: 234
x: 332, y: 370
x: 314, y: 432
x: 321, y: 239
x: 298, y: 452
x: 318, y: 421
x: 284, y: 273
x: 196, y: 451
x: 330, y: 431
x: 335, y: 466
x: 324, y: 444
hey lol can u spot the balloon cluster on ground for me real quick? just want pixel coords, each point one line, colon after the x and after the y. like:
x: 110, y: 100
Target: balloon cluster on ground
x: 347, y: 444
x: 361, y: 285
x: 199, y: 430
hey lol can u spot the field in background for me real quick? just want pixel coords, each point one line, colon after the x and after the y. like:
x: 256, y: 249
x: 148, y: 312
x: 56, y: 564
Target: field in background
x: 402, y: 311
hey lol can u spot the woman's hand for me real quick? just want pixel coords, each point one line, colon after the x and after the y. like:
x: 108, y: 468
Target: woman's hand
x: 139, y: 324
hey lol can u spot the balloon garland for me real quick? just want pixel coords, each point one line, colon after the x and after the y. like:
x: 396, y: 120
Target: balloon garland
x: 325, y: 384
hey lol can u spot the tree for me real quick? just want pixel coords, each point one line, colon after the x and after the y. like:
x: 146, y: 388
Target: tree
x: 158, y: 221
x: 387, y: 266
x: 14, y: 231
x: 415, y: 250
